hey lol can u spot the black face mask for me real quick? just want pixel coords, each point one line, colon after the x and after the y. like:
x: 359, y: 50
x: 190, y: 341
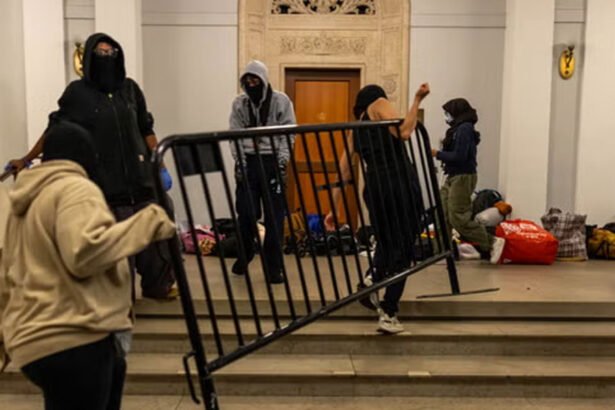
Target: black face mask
x: 106, y: 74
x: 255, y: 93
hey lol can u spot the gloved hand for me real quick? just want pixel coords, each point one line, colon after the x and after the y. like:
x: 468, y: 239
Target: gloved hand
x: 165, y: 177
x: 17, y: 164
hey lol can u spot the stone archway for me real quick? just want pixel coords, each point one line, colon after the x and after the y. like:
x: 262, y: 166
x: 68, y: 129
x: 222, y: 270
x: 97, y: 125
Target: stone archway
x: 369, y: 35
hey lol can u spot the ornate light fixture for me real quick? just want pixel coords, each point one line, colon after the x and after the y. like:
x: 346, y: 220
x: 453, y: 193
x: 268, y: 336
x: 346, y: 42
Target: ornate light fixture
x: 567, y: 63
x: 78, y: 59
x: 367, y: 7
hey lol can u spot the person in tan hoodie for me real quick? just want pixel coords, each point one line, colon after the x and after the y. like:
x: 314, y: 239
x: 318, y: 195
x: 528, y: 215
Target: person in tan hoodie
x: 65, y: 286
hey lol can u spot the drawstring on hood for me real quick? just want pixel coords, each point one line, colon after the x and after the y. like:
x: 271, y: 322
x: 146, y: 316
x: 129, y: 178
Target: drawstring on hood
x: 105, y: 72
x: 260, y: 95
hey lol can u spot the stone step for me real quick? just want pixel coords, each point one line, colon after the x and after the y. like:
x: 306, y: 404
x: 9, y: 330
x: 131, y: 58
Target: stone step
x: 361, y: 375
x: 136, y: 402
x: 422, y: 337
x: 450, y: 307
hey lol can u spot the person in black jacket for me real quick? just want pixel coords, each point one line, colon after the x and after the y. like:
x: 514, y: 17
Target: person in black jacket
x: 458, y: 156
x: 391, y: 193
x: 112, y: 108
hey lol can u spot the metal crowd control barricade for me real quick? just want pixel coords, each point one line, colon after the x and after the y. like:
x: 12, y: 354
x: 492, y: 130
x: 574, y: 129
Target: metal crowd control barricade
x: 315, y: 284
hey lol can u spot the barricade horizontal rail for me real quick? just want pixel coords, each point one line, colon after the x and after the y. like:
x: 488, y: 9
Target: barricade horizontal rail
x: 325, y: 245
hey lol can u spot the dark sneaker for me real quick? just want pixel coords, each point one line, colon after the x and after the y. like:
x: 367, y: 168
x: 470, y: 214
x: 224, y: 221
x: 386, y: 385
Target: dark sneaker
x: 239, y: 268
x: 275, y: 278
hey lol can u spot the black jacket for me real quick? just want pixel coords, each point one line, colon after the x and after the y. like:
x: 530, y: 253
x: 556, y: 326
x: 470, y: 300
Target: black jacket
x: 458, y: 154
x: 118, y: 122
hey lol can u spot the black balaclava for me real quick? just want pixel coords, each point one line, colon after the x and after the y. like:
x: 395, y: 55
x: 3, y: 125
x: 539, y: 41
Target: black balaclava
x: 365, y: 97
x: 254, y: 92
x: 106, y: 73
x: 70, y: 141
x: 461, y: 111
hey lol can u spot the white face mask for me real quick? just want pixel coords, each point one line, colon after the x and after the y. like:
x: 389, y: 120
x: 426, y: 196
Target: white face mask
x: 448, y: 118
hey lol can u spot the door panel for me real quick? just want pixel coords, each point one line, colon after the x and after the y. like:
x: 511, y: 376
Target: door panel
x: 321, y: 97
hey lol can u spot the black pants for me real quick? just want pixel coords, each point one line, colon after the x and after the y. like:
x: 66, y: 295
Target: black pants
x: 86, y: 377
x: 394, y: 212
x: 256, y: 188
x: 154, y: 262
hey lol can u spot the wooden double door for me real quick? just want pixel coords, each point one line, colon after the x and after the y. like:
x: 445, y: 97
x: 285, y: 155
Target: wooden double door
x: 321, y: 96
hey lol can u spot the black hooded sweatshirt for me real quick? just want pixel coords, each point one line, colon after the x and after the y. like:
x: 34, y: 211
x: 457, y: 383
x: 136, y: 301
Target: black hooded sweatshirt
x: 458, y: 154
x: 113, y: 109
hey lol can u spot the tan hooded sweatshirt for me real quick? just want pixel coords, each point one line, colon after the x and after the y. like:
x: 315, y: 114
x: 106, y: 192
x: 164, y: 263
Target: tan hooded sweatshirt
x: 64, y: 278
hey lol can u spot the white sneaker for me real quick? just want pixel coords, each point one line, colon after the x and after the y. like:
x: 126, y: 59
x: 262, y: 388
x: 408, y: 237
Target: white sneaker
x: 496, y: 250
x: 389, y: 324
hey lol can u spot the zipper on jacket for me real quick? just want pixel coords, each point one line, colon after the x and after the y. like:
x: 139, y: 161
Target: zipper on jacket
x: 122, y: 151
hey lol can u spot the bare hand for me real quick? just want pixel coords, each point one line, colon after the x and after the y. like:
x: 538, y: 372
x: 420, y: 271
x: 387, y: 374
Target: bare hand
x: 434, y: 152
x: 329, y: 222
x: 423, y: 91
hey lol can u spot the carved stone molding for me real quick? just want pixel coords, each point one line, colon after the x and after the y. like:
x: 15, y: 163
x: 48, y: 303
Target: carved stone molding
x: 330, y: 34
x: 361, y: 7
x: 323, y: 44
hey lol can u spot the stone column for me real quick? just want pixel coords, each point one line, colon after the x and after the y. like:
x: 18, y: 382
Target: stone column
x: 13, y: 128
x: 121, y: 19
x: 594, y: 193
x: 45, y: 76
x: 526, y: 105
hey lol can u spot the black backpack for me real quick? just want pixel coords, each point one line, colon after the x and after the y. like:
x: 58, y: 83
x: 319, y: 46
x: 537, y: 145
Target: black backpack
x: 485, y: 199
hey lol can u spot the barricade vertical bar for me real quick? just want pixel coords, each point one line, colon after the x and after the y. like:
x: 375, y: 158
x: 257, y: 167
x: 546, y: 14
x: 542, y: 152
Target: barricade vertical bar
x: 419, y: 214
x: 355, y: 186
x: 319, y: 208
x: 227, y: 283
x: 291, y: 228
x: 309, y: 236
x: 349, y: 134
x: 337, y: 231
x: 450, y: 262
x: 241, y: 249
x: 185, y: 296
x: 206, y: 289
x: 431, y: 189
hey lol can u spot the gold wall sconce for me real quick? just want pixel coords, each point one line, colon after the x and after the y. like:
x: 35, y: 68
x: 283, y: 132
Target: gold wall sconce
x: 567, y: 63
x: 78, y: 59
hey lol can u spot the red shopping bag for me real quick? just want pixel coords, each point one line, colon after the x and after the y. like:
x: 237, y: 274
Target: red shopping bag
x: 527, y: 242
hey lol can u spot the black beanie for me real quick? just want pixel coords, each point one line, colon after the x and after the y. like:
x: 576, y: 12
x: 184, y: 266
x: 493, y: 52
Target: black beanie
x: 365, y: 97
x: 69, y: 141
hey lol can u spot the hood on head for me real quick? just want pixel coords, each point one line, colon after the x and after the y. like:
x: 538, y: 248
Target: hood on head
x: 259, y: 69
x: 461, y: 111
x: 88, y: 54
x: 366, y: 96
x: 31, y: 182
x: 67, y: 140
